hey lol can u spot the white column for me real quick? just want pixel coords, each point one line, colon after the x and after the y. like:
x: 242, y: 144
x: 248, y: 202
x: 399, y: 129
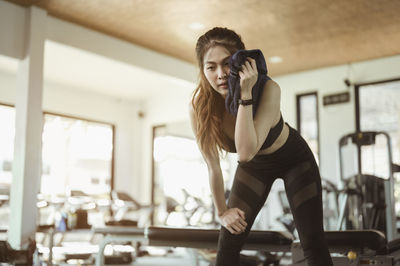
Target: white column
x: 28, y: 133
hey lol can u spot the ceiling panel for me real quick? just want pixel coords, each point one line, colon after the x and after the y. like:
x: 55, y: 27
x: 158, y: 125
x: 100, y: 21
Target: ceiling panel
x: 305, y: 34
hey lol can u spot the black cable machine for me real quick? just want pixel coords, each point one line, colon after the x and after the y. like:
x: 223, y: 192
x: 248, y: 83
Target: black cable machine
x: 368, y: 201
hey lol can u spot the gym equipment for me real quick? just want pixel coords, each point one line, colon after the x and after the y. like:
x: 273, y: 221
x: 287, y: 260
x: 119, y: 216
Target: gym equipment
x: 118, y: 234
x: 17, y: 257
x: 369, y: 247
x: 197, y: 212
x: 330, y: 194
x: 171, y: 206
x: 351, y: 248
x: 127, y: 212
x: 368, y: 199
x: 123, y: 205
x: 330, y: 201
x: 286, y: 219
x: 65, y: 218
x: 192, y: 211
x: 193, y: 238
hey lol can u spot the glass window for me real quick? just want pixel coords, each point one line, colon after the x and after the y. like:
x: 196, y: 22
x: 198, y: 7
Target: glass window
x: 307, y: 120
x: 77, y: 155
x: 181, y: 186
x: 379, y: 110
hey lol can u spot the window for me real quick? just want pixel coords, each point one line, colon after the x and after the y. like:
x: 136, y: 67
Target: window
x: 378, y: 109
x: 77, y: 154
x: 307, y: 120
x: 180, y: 178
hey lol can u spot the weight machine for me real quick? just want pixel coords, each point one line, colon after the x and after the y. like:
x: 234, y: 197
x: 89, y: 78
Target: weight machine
x: 368, y: 201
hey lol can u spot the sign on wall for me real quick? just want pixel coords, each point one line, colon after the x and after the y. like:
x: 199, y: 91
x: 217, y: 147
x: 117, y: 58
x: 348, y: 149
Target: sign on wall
x: 336, y: 98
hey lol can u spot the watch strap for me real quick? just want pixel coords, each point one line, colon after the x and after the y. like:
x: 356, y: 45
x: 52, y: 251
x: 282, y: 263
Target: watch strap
x: 245, y: 102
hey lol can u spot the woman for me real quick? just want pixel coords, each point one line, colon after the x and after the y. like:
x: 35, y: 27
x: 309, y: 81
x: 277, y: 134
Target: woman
x: 267, y: 149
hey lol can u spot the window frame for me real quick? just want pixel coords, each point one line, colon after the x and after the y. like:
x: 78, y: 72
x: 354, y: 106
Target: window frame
x: 298, y: 118
x: 357, y: 106
x: 112, y: 176
x: 357, y: 88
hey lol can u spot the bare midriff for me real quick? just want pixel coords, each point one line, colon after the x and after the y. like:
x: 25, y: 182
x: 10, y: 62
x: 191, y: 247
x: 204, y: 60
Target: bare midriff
x: 229, y: 129
x: 278, y: 142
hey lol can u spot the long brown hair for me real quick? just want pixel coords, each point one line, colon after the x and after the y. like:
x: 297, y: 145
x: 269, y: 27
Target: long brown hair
x: 208, y: 105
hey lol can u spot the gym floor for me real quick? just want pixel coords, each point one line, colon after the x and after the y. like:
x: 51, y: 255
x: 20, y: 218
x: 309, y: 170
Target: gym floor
x: 178, y: 257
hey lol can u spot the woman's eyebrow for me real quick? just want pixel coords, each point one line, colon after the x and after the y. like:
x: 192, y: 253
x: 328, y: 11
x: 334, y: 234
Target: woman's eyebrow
x: 223, y: 60
x: 226, y: 58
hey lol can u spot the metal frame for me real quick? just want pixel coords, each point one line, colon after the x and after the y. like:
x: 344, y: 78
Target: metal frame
x: 390, y: 214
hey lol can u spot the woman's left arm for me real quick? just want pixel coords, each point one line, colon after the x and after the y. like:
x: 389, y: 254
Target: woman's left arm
x: 251, y: 133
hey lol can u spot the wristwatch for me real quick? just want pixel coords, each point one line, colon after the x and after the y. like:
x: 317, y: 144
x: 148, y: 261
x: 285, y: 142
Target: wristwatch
x: 245, y: 102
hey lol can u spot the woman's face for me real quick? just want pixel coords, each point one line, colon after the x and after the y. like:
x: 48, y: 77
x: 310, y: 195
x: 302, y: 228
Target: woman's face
x: 216, y: 68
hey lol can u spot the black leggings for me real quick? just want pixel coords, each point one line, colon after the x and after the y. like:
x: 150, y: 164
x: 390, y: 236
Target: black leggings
x: 295, y: 164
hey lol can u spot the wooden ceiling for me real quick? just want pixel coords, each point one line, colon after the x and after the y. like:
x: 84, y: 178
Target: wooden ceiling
x: 305, y: 34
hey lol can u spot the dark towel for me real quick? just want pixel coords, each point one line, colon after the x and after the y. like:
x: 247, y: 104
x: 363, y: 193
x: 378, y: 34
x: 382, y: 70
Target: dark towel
x: 235, y: 63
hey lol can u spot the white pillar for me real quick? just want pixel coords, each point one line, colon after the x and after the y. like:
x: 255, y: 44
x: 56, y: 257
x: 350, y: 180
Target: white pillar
x: 28, y: 133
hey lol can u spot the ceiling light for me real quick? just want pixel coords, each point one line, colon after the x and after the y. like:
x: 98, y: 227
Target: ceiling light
x: 196, y: 26
x: 275, y: 59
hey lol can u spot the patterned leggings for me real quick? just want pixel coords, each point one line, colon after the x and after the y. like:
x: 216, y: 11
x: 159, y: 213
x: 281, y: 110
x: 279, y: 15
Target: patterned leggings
x: 295, y: 164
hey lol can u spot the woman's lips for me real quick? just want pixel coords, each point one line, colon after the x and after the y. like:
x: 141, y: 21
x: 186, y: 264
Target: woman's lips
x: 225, y: 85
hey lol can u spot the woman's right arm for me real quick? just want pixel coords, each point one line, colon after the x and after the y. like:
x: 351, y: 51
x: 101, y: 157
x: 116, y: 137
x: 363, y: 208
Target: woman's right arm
x: 232, y: 219
x: 216, y: 184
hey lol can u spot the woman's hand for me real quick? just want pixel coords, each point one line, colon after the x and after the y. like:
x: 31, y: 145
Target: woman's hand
x: 248, y: 77
x: 234, y: 220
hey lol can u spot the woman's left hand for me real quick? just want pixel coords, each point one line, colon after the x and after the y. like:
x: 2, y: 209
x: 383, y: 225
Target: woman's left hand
x: 248, y: 77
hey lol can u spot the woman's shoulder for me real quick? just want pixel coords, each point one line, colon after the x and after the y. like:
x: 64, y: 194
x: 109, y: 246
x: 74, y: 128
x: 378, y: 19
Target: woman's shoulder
x: 271, y: 84
x: 271, y: 90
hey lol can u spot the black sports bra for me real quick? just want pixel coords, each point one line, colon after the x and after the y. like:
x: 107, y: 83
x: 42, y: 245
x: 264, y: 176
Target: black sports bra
x: 272, y: 136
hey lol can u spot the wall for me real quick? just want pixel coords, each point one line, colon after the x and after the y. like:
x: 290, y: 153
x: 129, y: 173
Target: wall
x: 335, y: 120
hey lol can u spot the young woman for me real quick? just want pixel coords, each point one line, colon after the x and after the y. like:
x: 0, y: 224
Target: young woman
x: 267, y: 149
